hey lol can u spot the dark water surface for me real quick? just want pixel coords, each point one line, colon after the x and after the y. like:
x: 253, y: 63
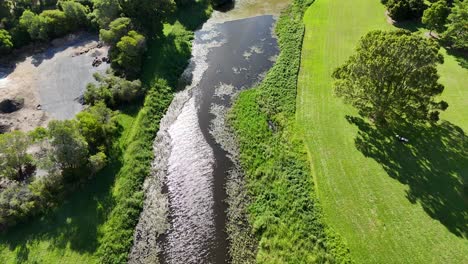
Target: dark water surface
x: 191, y: 166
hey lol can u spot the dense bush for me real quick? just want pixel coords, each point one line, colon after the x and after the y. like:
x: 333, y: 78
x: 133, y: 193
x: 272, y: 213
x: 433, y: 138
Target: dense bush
x: 284, y: 212
x: 6, y: 43
x: 68, y: 151
x: 129, y: 53
x: 54, y: 23
x: 401, y: 10
x: 117, y: 29
x: 457, y: 26
x: 113, y: 90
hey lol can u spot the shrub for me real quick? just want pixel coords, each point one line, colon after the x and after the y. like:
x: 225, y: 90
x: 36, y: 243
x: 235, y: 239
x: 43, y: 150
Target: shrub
x: 6, y: 43
x: 75, y: 13
x: 113, y: 90
x: 405, y: 9
x: 130, y: 52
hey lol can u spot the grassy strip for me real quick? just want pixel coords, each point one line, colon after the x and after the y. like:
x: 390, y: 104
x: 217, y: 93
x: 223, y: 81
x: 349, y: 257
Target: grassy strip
x: 168, y: 57
x: 284, y: 211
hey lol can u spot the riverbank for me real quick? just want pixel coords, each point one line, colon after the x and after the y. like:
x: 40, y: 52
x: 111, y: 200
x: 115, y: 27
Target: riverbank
x: 284, y: 211
x: 96, y: 225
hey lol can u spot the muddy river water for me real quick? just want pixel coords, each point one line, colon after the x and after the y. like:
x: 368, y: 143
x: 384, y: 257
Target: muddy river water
x: 185, y: 211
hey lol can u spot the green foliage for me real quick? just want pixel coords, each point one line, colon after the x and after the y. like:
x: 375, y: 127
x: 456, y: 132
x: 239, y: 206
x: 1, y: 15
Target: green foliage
x: 113, y: 90
x: 53, y: 23
x: 34, y: 25
x: 284, y: 211
x: 457, y: 26
x: 5, y: 41
x: 75, y: 13
x: 117, y: 29
x: 14, y: 158
x: 436, y: 15
x: 148, y: 14
x: 405, y: 9
x: 392, y: 76
x: 128, y: 195
x: 97, y: 162
x: 130, y: 50
x: 16, y: 203
x: 69, y: 149
x: 99, y: 127
x: 104, y: 11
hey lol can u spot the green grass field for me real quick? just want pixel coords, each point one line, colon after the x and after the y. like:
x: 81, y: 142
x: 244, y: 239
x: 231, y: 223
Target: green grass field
x: 392, y: 203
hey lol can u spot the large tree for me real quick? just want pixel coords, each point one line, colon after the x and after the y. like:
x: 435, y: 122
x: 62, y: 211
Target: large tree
x: 69, y: 149
x: 436, y: 16
x: 405, y: 9
x: 392, y: 75
x: 14, y: 157
x: 457, y: 26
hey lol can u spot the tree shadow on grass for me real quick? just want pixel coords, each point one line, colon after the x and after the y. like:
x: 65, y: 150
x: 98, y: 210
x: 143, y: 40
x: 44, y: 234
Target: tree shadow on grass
x: 434, y: 165
x: 74, y: 224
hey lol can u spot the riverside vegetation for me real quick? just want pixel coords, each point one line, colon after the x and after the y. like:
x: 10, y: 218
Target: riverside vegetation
x: 284, y: 212
x: 129, y: 139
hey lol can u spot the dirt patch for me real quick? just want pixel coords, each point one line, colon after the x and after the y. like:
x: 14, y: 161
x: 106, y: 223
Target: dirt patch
x: 49, y: 79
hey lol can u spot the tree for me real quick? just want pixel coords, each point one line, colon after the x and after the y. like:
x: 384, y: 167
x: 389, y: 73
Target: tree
x: 457, y: 26
x: 117, y: 29
x: 5, y: 42
x: 436, y: 16
x: 75, y: 13
x: 130, y: 52
x: 148, y: 14
x: 393, y: 75
x: 34, y: 25
x: 69, y: 149
x: 105, y: 11
x: 112, y: 90
x: 98, y: 126
x: 405, y: 9
x: 14, y: 158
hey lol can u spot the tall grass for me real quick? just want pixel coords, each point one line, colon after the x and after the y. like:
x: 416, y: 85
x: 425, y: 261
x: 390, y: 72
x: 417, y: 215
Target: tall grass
x: 284, y: 211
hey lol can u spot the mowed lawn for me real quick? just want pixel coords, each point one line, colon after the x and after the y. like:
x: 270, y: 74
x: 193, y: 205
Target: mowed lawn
x: 391, y: 202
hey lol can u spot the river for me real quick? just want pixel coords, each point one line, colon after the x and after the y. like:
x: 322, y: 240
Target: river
x: 185, y: 212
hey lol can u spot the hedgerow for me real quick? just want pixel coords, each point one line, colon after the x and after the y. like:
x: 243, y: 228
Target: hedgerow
x: 284, y: 211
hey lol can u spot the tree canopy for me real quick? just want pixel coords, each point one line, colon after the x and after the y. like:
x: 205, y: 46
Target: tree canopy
x: 392, y: 76
x: 405, y: 9
x: 457, y: 25
x: 14, y: 157
x: 436, y: 16
x: 5, y: 41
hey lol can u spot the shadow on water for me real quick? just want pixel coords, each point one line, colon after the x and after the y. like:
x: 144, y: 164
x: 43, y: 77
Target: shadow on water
x: 434, y: 165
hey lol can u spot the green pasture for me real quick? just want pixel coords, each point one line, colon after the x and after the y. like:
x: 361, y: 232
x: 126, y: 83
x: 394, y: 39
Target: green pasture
x: 391, y: 202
